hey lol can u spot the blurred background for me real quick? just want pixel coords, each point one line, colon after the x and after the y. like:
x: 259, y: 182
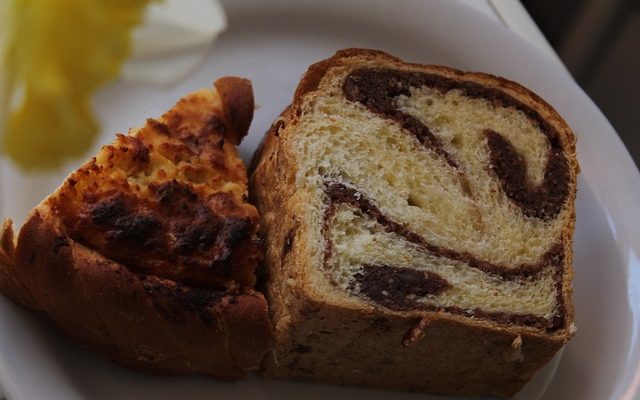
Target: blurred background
x: 599, y: 42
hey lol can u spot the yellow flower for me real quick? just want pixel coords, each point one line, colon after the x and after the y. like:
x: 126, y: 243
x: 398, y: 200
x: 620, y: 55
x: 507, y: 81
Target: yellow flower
x: 57, y: 53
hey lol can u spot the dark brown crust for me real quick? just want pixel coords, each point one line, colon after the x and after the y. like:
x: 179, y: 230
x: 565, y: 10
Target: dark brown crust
x: 274, y: 130
x: 237, y: 97
x: 144, y: 322
x: 450, y: 357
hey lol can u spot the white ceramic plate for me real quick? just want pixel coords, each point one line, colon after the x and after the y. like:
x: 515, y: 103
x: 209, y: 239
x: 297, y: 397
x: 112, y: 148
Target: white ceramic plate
x: 272, y: 43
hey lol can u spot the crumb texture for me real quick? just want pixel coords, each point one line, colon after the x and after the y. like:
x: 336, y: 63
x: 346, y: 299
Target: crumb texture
x: 426, y: 158
x: 416, y: 215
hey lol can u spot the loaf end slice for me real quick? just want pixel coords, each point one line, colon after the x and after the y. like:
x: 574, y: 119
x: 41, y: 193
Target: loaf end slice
x: 419, y: 225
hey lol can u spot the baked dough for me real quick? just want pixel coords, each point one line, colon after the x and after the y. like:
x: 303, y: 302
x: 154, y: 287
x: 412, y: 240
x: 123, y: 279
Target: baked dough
x: 419, y: 225
x: 147, y: 252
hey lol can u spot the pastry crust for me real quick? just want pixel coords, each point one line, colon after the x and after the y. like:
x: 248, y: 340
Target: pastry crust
x: 323, y: 337
x: 132, y: 306
x: 141, y: 321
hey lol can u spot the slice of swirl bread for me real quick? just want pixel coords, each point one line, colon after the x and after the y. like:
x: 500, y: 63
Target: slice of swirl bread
x: 419, y: 227
x: 147, y: 252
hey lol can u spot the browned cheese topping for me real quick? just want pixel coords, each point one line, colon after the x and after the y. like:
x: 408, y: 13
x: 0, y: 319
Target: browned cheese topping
x: 169, y: 202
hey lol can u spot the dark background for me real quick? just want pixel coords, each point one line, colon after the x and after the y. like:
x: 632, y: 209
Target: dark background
x: 599, y: 42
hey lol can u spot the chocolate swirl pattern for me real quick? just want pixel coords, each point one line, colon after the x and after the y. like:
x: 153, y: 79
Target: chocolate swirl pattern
x: 427, y: 166
x: 393, y: 191
x: 378, y: 88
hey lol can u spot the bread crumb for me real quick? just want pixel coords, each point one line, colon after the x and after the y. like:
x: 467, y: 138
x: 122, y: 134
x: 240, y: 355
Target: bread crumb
x: 415, y: 334
x: 517, y: 342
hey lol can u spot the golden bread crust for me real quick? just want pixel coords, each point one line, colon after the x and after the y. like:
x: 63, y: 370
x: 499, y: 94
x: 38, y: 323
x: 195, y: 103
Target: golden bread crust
x: 10, y: 285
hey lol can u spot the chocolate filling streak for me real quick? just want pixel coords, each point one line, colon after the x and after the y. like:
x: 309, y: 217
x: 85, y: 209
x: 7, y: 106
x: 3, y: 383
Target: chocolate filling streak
x: 397, y: 289
x: 394, y: 287
x: 544, y: 201
x: 374, y: 279
x: 339, y: 193
x: 377, y: 90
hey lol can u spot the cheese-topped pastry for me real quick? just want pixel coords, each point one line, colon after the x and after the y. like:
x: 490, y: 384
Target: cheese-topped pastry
x: 147, y: 253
